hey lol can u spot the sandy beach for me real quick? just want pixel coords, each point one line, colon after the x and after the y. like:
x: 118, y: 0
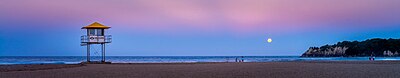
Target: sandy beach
x: 343, y: 69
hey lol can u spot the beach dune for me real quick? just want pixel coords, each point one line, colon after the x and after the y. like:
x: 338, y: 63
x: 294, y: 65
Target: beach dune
x: 347, y: 69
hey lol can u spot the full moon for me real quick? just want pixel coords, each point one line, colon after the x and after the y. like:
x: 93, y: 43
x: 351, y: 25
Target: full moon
x: 269, y: 40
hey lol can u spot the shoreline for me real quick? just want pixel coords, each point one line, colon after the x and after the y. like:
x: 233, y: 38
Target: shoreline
x: 183, y: 59
x: 33, y: 67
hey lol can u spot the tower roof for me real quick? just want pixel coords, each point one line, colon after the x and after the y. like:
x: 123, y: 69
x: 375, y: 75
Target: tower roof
x: 96, y: 25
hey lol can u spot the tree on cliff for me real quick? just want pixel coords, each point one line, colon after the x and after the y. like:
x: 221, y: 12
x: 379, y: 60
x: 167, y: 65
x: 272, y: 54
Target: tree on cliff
x: 376, y: 47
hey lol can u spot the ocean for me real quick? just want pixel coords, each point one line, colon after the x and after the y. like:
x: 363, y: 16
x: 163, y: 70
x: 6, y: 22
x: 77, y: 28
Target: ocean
x: 7, y: 60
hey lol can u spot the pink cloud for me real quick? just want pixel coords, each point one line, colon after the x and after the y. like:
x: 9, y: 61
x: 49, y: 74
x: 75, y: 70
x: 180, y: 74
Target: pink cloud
x: 237, y: 16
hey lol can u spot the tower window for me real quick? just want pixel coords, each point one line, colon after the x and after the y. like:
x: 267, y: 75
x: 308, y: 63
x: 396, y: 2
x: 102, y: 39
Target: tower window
x: 100, y: 32
x: 96, y: 32
x: 92, y: 32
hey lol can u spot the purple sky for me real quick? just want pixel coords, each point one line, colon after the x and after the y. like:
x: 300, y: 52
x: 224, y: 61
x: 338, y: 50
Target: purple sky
x: 193, y: 27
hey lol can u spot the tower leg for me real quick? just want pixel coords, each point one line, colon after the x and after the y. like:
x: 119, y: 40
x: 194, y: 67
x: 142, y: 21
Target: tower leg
x: 103, y: 49
x: 88, y: 52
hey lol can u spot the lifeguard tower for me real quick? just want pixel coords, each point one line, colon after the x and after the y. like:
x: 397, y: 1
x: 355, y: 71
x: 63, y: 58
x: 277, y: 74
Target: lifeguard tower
x: 96, y: 36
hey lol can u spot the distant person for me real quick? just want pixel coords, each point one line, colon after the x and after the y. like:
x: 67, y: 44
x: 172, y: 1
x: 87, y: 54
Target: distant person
x: 236, y: 59
x: 371, y: 58
x: 242, y: 59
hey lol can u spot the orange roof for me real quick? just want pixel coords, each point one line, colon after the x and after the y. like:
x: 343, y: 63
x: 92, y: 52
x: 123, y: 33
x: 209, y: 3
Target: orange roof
x: 96, y: 25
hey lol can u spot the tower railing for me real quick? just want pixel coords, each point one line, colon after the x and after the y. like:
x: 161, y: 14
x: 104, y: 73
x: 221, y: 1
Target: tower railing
x: 96, y: 39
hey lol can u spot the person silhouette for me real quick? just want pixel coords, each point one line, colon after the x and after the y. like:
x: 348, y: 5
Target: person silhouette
x: 242, y: 59
x: 371, y: 58
x: 236, y: 60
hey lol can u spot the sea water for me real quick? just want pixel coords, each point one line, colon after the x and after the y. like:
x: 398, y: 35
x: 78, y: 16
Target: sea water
x: 6, y: 60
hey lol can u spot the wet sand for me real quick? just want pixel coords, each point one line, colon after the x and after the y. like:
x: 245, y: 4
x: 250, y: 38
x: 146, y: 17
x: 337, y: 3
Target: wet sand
x: 347, y: 69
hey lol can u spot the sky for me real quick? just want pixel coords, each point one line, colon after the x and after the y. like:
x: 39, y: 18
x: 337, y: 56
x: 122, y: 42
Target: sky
x: 193, y: 27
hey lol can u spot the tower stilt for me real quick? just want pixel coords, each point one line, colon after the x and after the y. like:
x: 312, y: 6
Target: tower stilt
x: 88, y: 52
x: 103, y: 59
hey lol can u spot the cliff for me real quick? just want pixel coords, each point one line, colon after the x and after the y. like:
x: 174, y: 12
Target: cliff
x: 375, y: 47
